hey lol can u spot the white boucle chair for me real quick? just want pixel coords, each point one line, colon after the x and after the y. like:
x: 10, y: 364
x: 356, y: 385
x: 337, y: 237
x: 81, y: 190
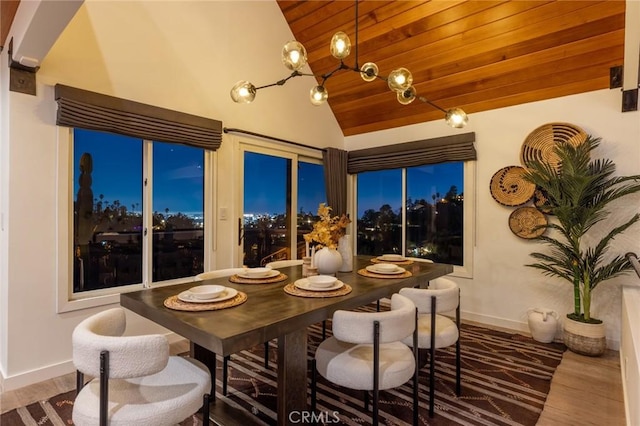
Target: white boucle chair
x: 218, y: 273
x: 284, y: 263
x: 442, y: 295
x: 366, y: 352
x: 135, y: 381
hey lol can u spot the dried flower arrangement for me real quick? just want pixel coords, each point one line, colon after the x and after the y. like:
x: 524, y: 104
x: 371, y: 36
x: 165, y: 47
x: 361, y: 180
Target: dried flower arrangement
x: 328, y: 230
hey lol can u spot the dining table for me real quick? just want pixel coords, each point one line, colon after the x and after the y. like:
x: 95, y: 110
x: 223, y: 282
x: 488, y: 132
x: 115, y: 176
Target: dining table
x: 269, y: 312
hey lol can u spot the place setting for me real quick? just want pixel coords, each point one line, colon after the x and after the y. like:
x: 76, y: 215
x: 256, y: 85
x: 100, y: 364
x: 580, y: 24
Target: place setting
x: 206, y: 297
x: 396, y: 259
x: 318, y: 286
x: 384, y: 270
x: 262, y: 275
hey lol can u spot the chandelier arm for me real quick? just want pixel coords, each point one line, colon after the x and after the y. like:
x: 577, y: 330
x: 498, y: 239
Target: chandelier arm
x: 284, y: 80
x: 427, y: 101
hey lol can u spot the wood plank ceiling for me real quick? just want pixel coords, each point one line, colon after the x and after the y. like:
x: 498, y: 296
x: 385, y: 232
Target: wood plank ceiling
x: 478, y: 55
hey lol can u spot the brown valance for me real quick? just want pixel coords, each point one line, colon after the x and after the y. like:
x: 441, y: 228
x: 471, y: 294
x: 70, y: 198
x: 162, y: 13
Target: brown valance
x: 95, y: 111
x: 416, y: 153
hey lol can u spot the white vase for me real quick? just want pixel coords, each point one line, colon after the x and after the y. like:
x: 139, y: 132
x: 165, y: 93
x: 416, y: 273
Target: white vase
x: 328, y: 261
x: 543, y: 324
x: 345, y: 250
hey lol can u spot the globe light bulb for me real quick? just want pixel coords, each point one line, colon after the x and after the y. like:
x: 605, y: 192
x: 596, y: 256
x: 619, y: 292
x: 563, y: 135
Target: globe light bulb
x: 400, y: 80
x: 369, y: 71
x: 340, y: 46
x: 318, y: 95
x: 456, y: 117
x: 294, y: 55
x: 407, y: 96
x: 243, y: 92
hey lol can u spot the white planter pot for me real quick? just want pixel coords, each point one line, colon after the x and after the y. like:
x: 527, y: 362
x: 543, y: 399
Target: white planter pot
x: 583, y: 338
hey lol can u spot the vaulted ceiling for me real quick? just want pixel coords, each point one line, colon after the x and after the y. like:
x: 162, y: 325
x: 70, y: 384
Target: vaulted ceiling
x: 478, y: 55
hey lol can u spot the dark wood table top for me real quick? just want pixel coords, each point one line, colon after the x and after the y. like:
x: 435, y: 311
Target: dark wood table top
x: 269, y: 312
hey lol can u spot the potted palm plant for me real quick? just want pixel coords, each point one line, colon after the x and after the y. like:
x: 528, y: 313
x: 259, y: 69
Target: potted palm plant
x: 579, y: 191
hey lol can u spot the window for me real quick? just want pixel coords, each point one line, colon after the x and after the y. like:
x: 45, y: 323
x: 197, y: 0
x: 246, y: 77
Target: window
x: 178, y: 211
x: 107, y: 231
x: 277, y: 184
x: 113, y: 223
x: 417, y: 211
x: 114, y: 229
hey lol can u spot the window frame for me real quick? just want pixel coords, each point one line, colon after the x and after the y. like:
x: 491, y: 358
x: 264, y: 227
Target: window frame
x: 67, y: 300
x: 469, y: 216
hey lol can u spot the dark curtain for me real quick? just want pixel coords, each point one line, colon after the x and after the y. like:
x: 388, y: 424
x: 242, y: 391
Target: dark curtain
x: 416, y: 153
x: 335, y: 179
x: 95, y: 111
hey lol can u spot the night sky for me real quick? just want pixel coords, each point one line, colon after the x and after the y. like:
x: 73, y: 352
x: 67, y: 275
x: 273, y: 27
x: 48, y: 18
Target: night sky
x: 178, y: 172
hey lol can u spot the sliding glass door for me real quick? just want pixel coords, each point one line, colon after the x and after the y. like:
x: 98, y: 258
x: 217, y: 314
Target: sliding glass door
x: 281, y: 193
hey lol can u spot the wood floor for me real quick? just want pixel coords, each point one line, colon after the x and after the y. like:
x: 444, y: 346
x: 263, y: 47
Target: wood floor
x: 584, y: 391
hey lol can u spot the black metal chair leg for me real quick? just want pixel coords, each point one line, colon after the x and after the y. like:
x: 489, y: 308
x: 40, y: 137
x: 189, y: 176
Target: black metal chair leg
x: 79, y: 381
x: 266, y: 354
x: 314, y: 379
x: 324, y: 330
x: 205, y: 409
x: 432, y: 360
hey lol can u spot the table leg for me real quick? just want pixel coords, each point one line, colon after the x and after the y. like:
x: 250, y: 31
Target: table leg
x: 292, y: 377
x: 208, y: 358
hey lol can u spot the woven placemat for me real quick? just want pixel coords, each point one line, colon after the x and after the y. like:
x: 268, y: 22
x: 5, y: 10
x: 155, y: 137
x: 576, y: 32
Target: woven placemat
x: 240, y: 280
x: 524, y: 222
x: 403, y: 262
x: 366, y: 273
x: 510, y: 188
x: 539, y: 145
x: 295, y: 291
x: 174, y: 303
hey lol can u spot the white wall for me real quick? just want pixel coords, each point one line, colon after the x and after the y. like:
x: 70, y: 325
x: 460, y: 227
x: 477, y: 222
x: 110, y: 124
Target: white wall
x: 502, y: 289
x: 140, y: 51
x: 143, y: 51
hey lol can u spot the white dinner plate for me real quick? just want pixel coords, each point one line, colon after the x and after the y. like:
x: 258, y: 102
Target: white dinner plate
x: 398, y: 270
x: 272, y: 273
x: 304, y: 284
x: 392, y: 259
x: 229, y: 293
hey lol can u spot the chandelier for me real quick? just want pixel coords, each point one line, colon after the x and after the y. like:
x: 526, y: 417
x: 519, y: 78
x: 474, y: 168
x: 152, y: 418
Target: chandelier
x: 399, y: 81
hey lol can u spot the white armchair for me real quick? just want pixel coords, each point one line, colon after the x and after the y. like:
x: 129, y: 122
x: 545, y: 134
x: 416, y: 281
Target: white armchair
x: 366, y: 352
x: 442, y: 295
x: 135, y: 381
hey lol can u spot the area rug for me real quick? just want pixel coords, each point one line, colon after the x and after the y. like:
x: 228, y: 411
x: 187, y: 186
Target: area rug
x: 505, y: 381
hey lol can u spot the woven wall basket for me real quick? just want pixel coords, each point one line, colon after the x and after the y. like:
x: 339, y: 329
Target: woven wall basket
x: 527, y: 222
x: 509, y: 188
x: 542, y: 202
x: 539, y: 145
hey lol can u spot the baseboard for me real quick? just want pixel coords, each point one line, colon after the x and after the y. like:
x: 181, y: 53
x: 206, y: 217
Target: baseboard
x: 496, y: 322
x: 49, y: 372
